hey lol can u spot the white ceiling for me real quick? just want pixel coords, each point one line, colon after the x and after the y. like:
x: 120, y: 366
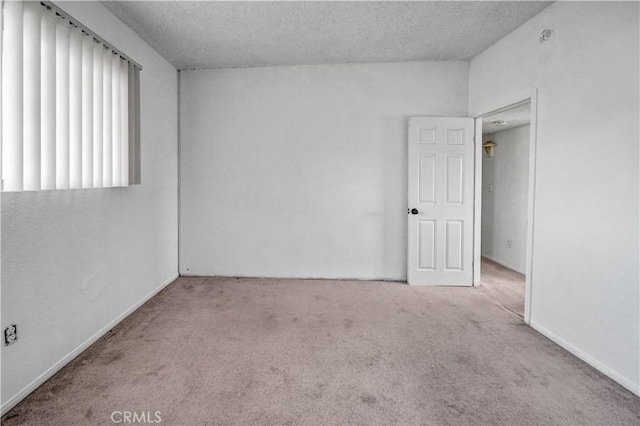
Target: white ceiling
x: 514, y: 117
x: 212, y: 34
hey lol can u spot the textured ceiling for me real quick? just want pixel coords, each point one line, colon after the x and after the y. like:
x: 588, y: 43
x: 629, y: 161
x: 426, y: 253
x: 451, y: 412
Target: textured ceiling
x: 514, y: 117
x: 212, y: 34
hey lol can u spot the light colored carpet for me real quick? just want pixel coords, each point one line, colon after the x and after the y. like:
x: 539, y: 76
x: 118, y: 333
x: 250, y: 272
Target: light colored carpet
x: 503, y: 285
x: 269, y: 351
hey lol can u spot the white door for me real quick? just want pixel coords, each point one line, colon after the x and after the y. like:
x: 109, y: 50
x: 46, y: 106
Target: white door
x: 440, y: 214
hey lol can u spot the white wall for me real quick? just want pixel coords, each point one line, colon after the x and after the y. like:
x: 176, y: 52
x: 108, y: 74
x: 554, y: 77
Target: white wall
x: 301, y: 171
x: 73, y: 262
x: 505, y: 178
x: 585, y: 278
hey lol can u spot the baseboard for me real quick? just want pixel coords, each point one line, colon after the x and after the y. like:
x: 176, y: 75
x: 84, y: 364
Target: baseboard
x: 13, y: 401
x: 628, y: 384
x: 306, y: 278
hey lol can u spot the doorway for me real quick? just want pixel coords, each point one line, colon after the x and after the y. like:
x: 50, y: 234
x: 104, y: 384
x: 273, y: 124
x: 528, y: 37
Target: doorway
x: 504, y: 205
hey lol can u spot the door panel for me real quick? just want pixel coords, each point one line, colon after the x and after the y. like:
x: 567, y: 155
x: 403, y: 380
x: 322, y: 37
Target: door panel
x: 454, y: 173
x: 427, y: 178
x: 427, y: 245
x: 441, y: 162
x: 454, y: 245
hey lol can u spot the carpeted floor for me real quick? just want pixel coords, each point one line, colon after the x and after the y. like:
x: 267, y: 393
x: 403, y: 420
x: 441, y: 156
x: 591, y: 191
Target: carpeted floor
x: 269, y: 351
x: 504, y: 285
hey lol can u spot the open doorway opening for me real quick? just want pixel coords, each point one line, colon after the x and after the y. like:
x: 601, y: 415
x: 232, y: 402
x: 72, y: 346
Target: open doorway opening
x: 505, y: 198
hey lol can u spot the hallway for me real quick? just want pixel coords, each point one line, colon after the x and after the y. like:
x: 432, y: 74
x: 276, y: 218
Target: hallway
x: 503, y: 285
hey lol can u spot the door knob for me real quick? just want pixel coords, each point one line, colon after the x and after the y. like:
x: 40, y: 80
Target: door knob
x: 414, y: 211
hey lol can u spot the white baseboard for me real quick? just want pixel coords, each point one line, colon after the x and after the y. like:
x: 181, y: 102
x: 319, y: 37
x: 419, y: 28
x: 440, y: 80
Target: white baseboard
x: 295, y: 277
x: 627, y: 383
x: 13, y: 401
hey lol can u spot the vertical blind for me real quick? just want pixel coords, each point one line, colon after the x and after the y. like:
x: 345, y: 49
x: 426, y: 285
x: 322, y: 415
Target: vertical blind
x: 70, y: 104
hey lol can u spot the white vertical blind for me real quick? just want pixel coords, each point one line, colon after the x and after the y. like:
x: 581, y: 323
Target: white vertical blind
x: 116, y: 173
x: 134, y: 124
x: 132, y: 131
x: 87, y: 111
x: 124, y: 124
x: 12, y: 99
x: 98, y: 53
x: 31, y: 96
x: 62, y: 104
x: 48, y: 99
x: 75, y: 109
x: 70, y: 104
x: 107, y: 120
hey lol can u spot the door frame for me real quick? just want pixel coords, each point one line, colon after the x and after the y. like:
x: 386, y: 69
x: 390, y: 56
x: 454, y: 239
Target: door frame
x: 477, y: 206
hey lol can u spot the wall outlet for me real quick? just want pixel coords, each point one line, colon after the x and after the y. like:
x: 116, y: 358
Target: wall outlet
x: 10, y: 334
x: 509, y: 243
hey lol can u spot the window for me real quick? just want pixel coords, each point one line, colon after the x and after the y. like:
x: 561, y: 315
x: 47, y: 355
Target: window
x: 70, y: 104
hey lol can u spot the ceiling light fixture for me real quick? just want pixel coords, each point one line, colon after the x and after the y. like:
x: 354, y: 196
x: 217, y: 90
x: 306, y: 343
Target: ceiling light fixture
x: 488, y: 148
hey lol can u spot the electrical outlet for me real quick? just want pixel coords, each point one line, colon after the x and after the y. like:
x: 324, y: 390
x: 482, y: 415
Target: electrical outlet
x: 10, y: 334
x: 509, y: 243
